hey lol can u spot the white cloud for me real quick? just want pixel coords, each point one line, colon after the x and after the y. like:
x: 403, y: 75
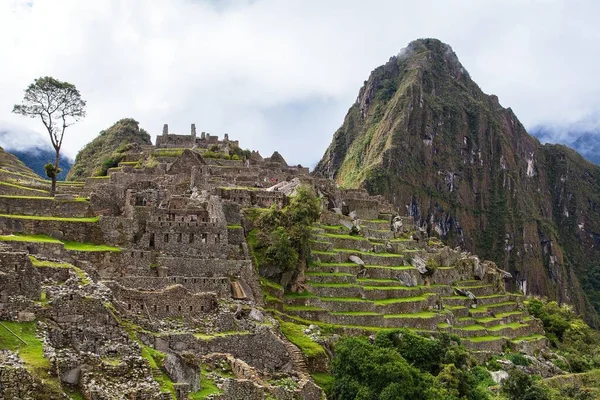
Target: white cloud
x: 282, y: 74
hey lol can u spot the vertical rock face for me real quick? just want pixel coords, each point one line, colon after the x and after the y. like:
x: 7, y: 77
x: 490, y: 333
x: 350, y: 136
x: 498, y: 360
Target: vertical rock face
x: 423, y: 134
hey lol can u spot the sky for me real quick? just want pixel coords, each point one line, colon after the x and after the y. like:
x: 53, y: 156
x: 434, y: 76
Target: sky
x: 281, y: 75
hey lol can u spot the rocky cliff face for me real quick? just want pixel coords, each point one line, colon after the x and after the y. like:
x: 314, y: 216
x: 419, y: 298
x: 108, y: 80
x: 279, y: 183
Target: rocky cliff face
x: 423, y: 134
x: 107, y: 149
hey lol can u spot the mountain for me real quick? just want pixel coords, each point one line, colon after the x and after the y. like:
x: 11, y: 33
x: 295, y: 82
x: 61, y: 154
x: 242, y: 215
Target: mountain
x: 13, y: 164
x: 586, y: 143
x: 36, y: 158
x: 424, y: 135
x: 33, y: 150
x: 106, y: 150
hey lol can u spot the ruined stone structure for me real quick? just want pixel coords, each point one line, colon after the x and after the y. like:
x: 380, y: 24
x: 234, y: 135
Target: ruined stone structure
x: 152, y: 259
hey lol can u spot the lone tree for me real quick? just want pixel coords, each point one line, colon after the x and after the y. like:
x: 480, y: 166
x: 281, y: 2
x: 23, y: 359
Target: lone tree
x: 59, y: 105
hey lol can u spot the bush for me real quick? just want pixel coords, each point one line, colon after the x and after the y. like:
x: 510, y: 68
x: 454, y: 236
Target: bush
x: 522, y: 386
x: 518, y: 359
x: 280, y: 240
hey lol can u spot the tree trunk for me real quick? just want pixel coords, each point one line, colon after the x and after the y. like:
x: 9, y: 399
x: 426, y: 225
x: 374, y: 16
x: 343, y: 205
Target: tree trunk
x: 53, y: 187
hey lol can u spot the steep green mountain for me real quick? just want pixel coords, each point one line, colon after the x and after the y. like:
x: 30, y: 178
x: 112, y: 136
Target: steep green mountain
x: 424, y: 135
x: 106, y: 149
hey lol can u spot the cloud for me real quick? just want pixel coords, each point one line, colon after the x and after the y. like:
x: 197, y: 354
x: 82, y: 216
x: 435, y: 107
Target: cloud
x: 280, y: 75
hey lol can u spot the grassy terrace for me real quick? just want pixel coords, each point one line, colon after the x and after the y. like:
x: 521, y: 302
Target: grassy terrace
x: 366, y: 253
x: 403, y: 299
x: 478, y: 339
x: 13, y: 185
x: 69, y: 245
x: 338, y: 274
x: 52, y: 264
x: 31, y: 353
x: 77, y: 199
x: 45, y: 218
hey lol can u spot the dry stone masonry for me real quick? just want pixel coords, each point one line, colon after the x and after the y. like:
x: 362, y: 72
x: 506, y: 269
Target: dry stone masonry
x: 143, y: 286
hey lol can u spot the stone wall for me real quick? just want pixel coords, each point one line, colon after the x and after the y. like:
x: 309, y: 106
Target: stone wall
x: 44, y: 206
x: 63, y: 230
x: 18, y: 277
x: 172, y: 302
x: 196, y: 284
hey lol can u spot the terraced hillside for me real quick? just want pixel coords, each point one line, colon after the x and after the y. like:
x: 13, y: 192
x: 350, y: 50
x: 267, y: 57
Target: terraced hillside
x: 388, y: 291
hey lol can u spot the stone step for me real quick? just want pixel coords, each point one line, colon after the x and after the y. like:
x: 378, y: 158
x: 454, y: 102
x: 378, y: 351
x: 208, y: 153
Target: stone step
x: 325, y: 277
x: 335, y: 290
x: 480, y: 290
x: 320, y: 245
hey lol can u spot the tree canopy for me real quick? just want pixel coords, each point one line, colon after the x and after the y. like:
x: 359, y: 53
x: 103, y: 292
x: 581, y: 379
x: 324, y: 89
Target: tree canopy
x: 58, y: 105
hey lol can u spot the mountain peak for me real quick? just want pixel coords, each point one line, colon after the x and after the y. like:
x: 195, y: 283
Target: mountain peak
x: 425, y: 136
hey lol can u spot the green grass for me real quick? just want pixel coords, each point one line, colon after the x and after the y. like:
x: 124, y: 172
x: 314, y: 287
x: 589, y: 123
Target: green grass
x: 471, y: 328
x: 155, y: 359
x: 46, y: 218
x: 514, y: 325
x: 333, y: 285
x: 367, y: 253
x: 403, y: 299
x: 355, y: 313
x: 52, y: 264
x: 302, y: 308
x: 345, y: 299
x: 323, y: 380
x: 234, y: 227
x: 24, y: 187
x: 69, y: 245
x: 29, y: 238
x: 76, y: 199
x: 271, y: 284
x: 295, y: 334
x: 338, y: 274
x: 478, y: 339
x: 342, y: 236
x: 410, y: 288
x: 77, y: 246
x: 334, y: 264
x: 393, y: 267
x: 31, y: 353
x: 422, y: 314
x: 208, y: 387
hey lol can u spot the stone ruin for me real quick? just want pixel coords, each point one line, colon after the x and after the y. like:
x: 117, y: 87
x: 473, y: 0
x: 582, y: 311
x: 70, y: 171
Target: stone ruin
x: 179, y: 280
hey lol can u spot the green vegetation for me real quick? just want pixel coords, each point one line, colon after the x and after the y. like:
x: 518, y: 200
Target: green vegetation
x: 569, y: 335
x: 108, y: 149
x: 69, y: 245
x: 400, y: 364
x: 46, y: 218
x: 77, y: 246
x: 155, y: 359
x: 295, y: 334
x: 77, y: 199
x: 32, y: 353
x: 24, y: 187
x: 280, y: 241
x: 52, y: 264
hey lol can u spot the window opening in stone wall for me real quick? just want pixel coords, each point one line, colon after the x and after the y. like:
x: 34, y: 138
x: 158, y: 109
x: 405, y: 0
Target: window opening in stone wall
x: 178, y: 308
x: 152, y: 240
x: 179, y: 237
x: 166, y: 238
x: 191, y: 308
x: 204, y: 238
x: 191, y: 238
x: 167, y: 308
x: 218, y: 238
x: 129, y: 306
x: 155, y: 307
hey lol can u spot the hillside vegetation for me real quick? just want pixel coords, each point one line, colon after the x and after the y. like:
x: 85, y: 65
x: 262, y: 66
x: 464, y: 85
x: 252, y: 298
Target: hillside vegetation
x: 108, y: 148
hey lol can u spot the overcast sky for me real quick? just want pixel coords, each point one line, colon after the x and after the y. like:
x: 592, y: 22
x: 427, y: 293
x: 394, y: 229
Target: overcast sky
x: 281, y: 74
